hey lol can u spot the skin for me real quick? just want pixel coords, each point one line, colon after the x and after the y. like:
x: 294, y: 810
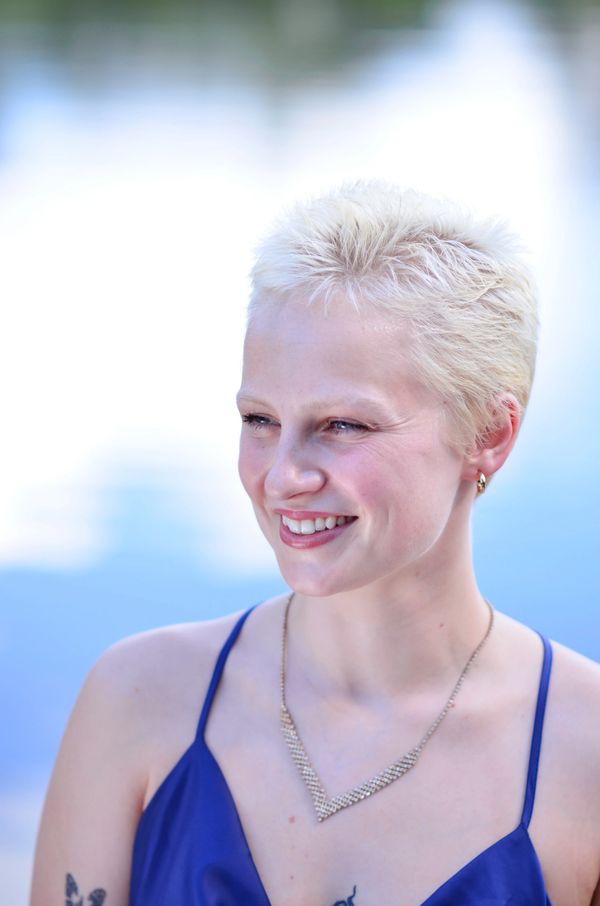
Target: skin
x: 383, y: 620
x: 411, y: 492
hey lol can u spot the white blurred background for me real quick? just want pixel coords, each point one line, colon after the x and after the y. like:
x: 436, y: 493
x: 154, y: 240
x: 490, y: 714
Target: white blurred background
x: 143, y: 149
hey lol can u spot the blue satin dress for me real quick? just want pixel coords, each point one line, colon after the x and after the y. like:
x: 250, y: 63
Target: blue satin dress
x: 190, y: 848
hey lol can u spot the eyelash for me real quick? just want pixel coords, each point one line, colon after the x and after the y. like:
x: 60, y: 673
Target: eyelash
x: 256, y: 422
x: 353, y: 426
x: 261, y: 421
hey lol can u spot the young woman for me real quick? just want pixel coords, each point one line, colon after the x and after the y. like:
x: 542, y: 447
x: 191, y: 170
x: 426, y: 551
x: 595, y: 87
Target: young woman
x: 381, y: 736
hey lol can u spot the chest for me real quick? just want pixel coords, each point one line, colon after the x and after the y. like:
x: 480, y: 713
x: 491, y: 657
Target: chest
x: 398, y: 846
x: 410, y: 839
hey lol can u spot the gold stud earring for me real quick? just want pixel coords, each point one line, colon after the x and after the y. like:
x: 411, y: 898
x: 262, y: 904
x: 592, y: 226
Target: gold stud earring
x: 481, y: 483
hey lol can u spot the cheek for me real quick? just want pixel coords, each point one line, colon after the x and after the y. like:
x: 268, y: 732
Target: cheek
x: 376, y: 472
x: 410, y: 486
x: 250, y: 466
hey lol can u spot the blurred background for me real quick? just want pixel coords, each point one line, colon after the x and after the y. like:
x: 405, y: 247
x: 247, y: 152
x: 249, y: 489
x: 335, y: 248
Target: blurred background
x: 144, y: 147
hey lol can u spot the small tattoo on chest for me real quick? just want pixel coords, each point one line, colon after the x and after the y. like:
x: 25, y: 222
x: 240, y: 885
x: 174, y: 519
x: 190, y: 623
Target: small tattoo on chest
x: 349, y: 901
x: 72, y: 897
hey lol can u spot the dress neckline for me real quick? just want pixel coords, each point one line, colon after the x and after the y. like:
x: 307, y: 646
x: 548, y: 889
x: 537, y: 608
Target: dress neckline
x: 522, y: 827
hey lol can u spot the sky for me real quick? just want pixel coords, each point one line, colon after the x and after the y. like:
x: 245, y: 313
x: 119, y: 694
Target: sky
x: 138, y: 168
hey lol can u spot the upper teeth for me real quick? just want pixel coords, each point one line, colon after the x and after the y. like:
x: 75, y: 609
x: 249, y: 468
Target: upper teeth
x: 310, y: 526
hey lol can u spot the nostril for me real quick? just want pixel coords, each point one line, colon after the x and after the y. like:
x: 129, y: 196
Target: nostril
x: 285, y: 481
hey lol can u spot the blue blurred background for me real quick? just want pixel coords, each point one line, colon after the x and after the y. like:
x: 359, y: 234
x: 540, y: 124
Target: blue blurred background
x: 143, y: 149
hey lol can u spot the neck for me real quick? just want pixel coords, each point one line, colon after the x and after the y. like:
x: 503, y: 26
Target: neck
x: 380, y: 643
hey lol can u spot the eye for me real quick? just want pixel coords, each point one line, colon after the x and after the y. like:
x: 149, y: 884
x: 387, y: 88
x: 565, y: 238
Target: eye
x: 257, y: 421
x: 341, y: 426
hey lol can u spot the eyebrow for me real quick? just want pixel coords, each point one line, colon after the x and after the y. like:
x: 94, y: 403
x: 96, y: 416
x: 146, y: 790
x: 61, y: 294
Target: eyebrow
x: 336, y: 403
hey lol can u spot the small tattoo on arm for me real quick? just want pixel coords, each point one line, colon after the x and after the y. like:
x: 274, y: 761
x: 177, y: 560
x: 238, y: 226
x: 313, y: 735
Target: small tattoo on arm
x: 349, y: 901
x: 72, y: 898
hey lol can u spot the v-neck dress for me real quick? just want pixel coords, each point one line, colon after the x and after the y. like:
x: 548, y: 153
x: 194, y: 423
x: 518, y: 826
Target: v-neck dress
x: 190, y: 848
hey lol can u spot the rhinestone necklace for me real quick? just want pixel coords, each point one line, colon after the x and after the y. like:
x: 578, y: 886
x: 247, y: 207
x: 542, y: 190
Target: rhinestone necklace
x: 326, y: 806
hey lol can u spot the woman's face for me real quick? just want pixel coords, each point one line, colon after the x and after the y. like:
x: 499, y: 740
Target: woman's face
x: 336, y: 425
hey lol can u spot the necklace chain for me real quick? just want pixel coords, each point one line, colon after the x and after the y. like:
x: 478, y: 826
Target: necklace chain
x: 324, y: 805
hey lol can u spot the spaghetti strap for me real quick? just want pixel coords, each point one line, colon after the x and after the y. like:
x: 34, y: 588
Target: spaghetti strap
x: 190, y: 845
x: 216, y: 676
x: 536, y: 738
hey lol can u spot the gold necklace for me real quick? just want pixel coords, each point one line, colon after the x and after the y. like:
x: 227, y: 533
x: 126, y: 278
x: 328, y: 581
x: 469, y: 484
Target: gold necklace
x: 326, y: 806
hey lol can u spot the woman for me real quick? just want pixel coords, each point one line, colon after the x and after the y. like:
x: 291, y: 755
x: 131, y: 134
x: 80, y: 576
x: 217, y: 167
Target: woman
x: 374, y: 738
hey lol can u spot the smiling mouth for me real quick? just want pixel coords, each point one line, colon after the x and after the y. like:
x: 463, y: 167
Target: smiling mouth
x: 312, y: 526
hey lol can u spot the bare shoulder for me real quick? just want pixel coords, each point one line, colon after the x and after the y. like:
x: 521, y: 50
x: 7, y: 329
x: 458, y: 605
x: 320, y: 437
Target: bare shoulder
x: 570, y: 758
x: 574, y: 699
x: 156, y: 680
x: 134, y: 716
x: 157, y: 657
x: 159, y: 680
x: 574, y: 689
x: 571, y: 746
x: 570, y: 763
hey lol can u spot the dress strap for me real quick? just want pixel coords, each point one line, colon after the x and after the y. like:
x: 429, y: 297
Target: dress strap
x: 218, y: 670
x: 536, y: 738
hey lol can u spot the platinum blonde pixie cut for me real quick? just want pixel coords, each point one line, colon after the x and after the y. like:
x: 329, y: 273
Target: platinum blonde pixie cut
x: 457, y: 284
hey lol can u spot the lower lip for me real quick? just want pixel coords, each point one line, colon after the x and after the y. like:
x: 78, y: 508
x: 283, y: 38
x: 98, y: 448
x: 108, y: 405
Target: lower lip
x: 302, y: 542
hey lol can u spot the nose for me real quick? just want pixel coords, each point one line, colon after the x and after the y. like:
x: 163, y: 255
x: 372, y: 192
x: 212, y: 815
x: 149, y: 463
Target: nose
x: 293, y: 471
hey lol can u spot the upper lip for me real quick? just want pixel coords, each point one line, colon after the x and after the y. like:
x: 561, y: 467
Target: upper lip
x: 309, y: 514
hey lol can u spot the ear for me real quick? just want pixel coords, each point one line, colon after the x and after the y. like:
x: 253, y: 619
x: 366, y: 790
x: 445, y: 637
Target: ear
x: 489, y: 452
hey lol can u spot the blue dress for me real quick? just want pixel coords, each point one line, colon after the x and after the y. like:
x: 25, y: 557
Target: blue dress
x: 190, y: 848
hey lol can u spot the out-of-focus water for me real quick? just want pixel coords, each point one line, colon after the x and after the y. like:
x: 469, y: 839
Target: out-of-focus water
x: 139, y: 162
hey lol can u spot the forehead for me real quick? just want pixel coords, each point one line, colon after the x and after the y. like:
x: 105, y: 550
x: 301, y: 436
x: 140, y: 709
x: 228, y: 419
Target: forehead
x: 309, y: 349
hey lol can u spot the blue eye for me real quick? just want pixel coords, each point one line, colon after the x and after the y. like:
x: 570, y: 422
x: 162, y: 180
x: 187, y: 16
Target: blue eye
x: 341, y: 426
x: 256, y: 421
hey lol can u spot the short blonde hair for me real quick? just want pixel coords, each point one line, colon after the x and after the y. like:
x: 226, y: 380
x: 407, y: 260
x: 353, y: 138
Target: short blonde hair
x: 458, y: 283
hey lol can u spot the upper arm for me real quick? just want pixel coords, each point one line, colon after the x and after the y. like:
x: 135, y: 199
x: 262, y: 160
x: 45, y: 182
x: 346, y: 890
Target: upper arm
x: 94, y: 798
x: 577, y: 726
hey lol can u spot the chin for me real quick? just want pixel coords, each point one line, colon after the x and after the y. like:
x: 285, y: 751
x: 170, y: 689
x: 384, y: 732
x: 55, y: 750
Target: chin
x: 312, y: 582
